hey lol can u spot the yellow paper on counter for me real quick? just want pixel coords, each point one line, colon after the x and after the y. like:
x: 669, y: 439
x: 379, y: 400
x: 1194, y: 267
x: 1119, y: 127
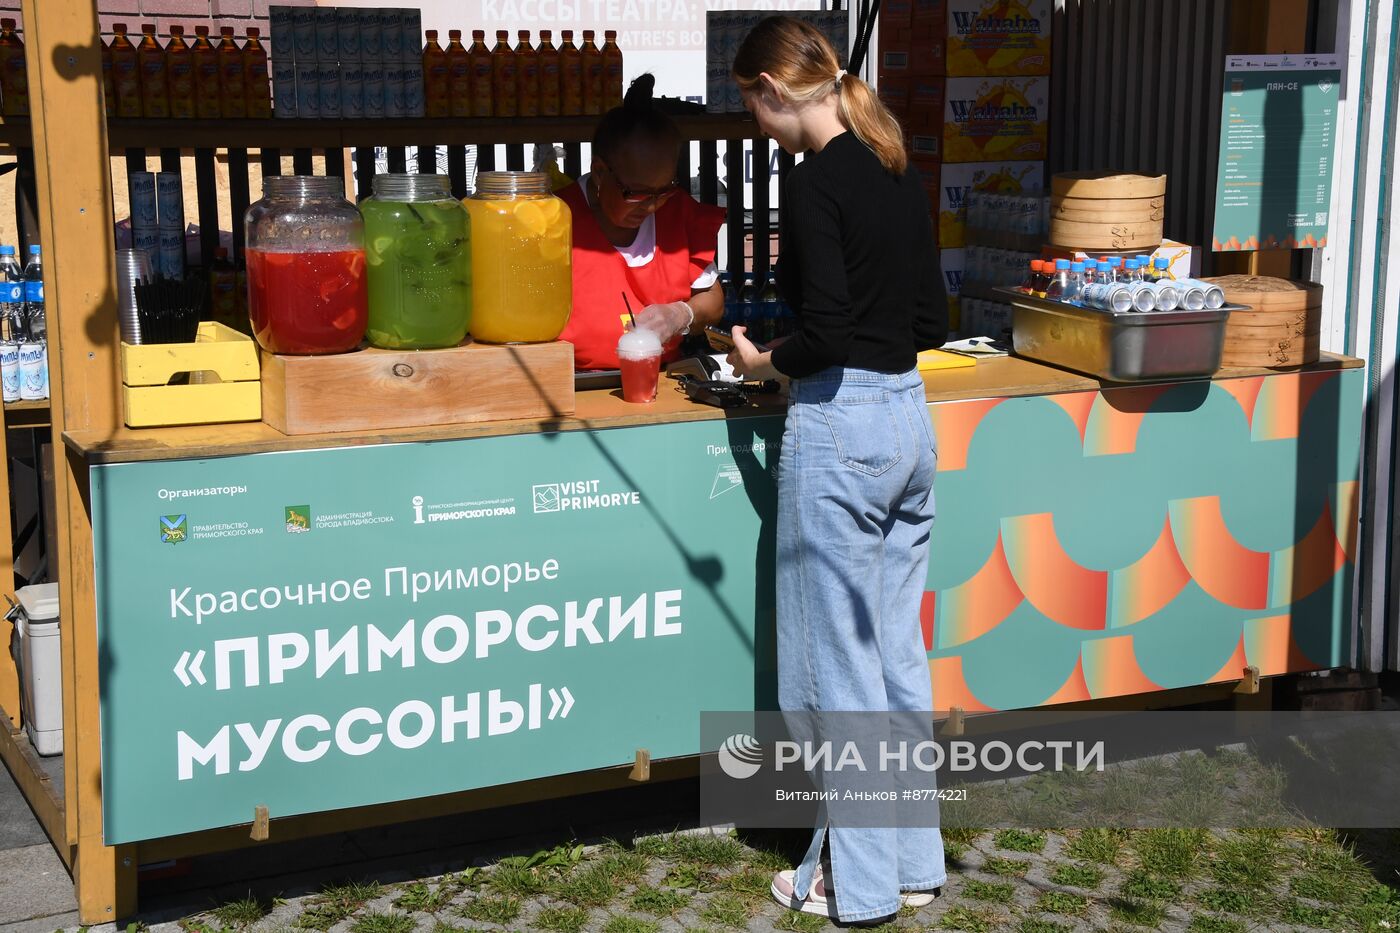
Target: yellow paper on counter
x: 941, y: 359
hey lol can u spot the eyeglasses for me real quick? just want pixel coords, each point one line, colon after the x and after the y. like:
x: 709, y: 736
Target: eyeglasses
x: 641, y: 197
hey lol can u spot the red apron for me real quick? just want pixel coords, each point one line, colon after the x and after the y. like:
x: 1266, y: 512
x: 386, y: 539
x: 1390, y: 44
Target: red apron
x: 686, y: 240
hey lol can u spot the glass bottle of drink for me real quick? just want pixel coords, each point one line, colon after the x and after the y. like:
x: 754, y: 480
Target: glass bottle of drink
x: 1059, y: 286
x: 550, y: 103
x: 459, y: 76
x: 1076, y: 283
x: 257, y: 91
x: 418, y: 256
x: 437, y: 88
x: 592, y: 75
x: 1090, y: 276
x: 1045, y: 276
x: 1115, y: 264
x: 570, y: 76
x: 504, y: 77
x: 1145, y: 265
x: 1161, y: 270
x: 126, y: 73
x: 483, y: 82
x: 150, y: 60
x: 206, y: 76
x: 1029, y: 282
x: 612, y: 71
x: 14, y: 80
x: 109, y: 84
x: 179, y: 74
x: 233, y: 99
x: 527, y: 75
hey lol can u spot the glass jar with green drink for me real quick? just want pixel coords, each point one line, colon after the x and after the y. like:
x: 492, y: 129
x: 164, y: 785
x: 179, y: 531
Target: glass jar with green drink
x: 419, y: 267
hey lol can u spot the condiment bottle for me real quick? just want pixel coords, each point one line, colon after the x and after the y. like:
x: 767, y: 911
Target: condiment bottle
x: 504, y: 77
x: 257, y: 89
x: 527, y: 73
x: 232, y: 97
x: 592, y: 75
x: 459, y: 76
x: 570, y: 76
x: 126, y: 73
x: 179, y: 74
x: 549, y: 75
x: 206, y: 76
x: 436, y: 87
x: 150, y: 62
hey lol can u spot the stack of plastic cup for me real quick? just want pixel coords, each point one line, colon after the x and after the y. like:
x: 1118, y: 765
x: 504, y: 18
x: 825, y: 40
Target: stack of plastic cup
x: 133, y: 267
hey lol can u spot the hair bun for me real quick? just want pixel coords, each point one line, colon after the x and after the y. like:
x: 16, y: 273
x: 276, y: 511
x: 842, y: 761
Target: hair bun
x: 640, y: 92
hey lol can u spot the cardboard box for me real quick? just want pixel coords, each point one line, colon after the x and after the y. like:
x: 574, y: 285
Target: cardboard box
x: 281, y: 38
x: 985, y: 37
x: 304, y: 33
x: 934, y: 12
x: 952, y: 262
x: 957, y: 179
x: 347, y: 24
x: 996, y: 119
x: 895, y: 93
x: 895, y: 14
x: 327, y: 36
x: 928, y: 93
x: 927, y: 41
x: 928, y: 170
x: 284, y: 88
x: 308, y: 90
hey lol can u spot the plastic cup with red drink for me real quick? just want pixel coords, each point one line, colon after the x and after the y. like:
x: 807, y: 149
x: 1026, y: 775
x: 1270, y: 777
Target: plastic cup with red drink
x: 639, y: 359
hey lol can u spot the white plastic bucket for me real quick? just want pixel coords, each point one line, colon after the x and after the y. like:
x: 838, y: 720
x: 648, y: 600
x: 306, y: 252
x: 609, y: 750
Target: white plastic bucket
x: 41, y: 667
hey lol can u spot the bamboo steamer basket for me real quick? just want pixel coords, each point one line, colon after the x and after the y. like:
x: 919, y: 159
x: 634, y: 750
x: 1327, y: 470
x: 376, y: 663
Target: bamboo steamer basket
x: 1109, y: 210
x: 1281, y: 326
x: 1107, y: 185
x: 1112, y: 235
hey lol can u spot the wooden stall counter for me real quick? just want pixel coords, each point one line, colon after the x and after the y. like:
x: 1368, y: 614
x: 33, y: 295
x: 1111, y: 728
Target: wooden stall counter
x: 1006, y: 377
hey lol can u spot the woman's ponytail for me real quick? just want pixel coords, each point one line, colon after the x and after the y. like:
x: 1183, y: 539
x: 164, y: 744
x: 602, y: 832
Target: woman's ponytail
x: 802, y: 62
x: 866, y: 115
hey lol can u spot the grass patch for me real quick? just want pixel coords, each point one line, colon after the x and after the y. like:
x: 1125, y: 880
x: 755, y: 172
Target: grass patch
x: 441, y: 927
x: 491, y: 908
x: 659, y: 902
x: 562, y: 919
x: 337, y: 902
x: 716, y: 851
x: 794, y: 921
x: 1328, y: 888
x: 962, y: 835
x: 972, y: 921
x: 1006, y: 867
x: 1245, y: 861
x: 1143, y: 885
x: 1206, y: 923
x: 393, y: 921
x: 1230, y: 900
x: 1138, y: 913
x: 1295, y: 911
x: 624, y: 924
x: 748, y: 883
x: 1076, y: 876
x: 954, y: 851
x: 1062, y: 902
x: 727, y: 910
x: 590, y: 886
x: 988, y: 891
x: 689, y: 876
x: 422, y: 896
x: 513, y: 879
x: 1037, y: 925
x: 625, y: 866
x: 1020, y: 840
x: 1171, y: 853
x: 768, y: 860
x: 1097, y: 845
x: 242, y: 912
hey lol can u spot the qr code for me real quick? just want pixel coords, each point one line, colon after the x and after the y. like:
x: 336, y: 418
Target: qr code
x: 1320, y: 219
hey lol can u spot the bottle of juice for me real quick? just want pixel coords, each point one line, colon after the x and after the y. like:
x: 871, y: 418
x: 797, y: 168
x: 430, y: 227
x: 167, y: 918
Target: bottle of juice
x: 570, y: 76
x: 232, y: 97
x: 206, y: 75
x: 150, y: 61
x: 179, y: 74
x: 483, y: 80
x: 436, y: 89
x: 126, y: 73
x: 459, y: 76
x: 109, y: 87
x: 14, y: 81
x: 257, y: 89
x: 612, y: 71
x: 592, y: 75
x: 504, y: 77
x: 549, y: 75
x: 527, y: 72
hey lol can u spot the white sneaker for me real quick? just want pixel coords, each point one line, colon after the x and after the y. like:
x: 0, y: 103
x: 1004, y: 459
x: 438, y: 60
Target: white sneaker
x: 916, y: 898
x: 816, y: 902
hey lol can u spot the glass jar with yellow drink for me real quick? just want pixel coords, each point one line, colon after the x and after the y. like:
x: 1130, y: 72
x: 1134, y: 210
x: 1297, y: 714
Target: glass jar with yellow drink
x: 522, y: 286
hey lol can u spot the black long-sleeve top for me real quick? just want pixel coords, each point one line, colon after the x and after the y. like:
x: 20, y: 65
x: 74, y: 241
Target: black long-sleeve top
x: 859, y: 265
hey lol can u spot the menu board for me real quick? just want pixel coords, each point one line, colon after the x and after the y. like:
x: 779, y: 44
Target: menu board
x: 1277, y: 142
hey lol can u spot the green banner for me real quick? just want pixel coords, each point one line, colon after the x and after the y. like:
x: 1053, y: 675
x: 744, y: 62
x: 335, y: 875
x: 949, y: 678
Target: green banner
x: 1278, y: 127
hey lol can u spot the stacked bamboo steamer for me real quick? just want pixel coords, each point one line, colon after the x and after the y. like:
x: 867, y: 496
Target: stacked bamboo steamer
x: 1103, y: 211
x: 1282, y: 326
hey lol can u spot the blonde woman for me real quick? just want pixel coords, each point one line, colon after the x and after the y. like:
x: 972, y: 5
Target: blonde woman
x: 855, y: 481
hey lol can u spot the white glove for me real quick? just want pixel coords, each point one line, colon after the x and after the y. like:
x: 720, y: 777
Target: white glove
x: 668, y: 320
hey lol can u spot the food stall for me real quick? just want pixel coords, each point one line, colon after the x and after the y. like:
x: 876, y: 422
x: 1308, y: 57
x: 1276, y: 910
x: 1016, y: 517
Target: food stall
x: 276, y: 633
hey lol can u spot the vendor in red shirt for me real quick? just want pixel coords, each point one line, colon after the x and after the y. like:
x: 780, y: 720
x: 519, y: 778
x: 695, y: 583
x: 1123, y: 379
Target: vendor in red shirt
x: 638, y: 233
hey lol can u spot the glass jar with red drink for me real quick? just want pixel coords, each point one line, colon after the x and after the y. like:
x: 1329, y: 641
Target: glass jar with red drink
x: 306, y: 267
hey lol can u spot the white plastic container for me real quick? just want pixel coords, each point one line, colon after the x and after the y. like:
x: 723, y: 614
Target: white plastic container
x: 40, y: 667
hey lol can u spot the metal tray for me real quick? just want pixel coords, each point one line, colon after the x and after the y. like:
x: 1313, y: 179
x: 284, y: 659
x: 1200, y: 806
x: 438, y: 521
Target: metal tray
x: 1130, y: 346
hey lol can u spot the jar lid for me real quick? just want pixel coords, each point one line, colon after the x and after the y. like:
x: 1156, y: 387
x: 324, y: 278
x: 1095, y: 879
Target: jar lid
x: 303, y: 186
x: 512, y: 183
x: 412, y: 187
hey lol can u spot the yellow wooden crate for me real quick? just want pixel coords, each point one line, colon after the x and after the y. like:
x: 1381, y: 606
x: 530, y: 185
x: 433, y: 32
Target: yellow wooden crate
x: 225, y: 389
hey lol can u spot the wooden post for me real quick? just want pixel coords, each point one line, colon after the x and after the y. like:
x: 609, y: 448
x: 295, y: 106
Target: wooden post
x: 64, y: 58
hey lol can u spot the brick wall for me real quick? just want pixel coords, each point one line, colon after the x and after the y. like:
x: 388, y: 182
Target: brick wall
x: 240, y: 14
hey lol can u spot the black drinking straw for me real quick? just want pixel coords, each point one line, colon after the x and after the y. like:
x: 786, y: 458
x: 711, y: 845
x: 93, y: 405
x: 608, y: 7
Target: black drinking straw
x: 629, y: 310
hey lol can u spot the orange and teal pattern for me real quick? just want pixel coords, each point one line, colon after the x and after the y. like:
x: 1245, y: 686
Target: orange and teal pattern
x: 1134, y: 539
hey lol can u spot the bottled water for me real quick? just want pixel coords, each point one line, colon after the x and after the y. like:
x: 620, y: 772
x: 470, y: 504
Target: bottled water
x: 11, y: 295
x: 1059, y: 287
x: 36, y: 324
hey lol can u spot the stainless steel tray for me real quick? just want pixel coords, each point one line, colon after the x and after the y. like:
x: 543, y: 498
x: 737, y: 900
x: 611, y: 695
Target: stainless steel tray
x: 1118, y: 347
